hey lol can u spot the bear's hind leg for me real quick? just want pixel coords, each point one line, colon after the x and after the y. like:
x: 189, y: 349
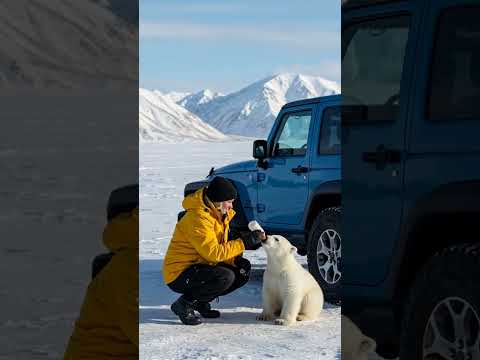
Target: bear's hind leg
x: 311, y: 307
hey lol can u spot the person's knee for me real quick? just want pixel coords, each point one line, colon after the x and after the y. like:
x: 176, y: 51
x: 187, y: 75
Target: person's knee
x: 243, y: 266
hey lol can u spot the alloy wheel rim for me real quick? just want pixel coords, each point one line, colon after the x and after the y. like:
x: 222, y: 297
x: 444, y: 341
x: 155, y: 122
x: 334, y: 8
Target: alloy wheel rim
x: 452, y: 331
x: 329, y: 255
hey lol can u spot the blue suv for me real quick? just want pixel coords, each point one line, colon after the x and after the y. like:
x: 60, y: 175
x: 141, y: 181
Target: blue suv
x: 411, y: 175
x: 292, y: 187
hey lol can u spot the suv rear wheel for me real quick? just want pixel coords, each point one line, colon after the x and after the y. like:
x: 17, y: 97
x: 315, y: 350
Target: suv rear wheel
x: 442, y: 317
x: 325, y: 252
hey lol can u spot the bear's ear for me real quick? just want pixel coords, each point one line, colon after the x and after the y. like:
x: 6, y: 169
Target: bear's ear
x: 293, y: 249
x: 367, y: 345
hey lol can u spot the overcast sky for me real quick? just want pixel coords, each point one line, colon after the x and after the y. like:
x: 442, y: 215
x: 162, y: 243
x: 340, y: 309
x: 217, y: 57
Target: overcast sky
x: 189, y: 45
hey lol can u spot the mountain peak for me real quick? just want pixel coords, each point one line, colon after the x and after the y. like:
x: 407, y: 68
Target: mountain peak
x: 192, y: 101
x: 176, y: 96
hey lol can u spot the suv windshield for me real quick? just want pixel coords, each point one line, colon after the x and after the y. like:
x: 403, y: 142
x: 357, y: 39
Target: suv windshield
x: 372, y: 61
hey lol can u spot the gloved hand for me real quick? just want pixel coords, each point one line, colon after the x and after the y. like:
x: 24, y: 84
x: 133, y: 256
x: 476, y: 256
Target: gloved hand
x: 243, y: 264
x: 253, y: 240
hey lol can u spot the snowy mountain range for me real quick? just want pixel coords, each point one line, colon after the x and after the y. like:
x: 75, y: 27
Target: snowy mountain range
x: 66, y: 44
x: 250, y: 111
x: 162, y: 120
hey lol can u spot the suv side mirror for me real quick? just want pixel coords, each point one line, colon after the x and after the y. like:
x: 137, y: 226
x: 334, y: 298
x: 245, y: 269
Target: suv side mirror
x: 260, y: 149
x: 260, y: 152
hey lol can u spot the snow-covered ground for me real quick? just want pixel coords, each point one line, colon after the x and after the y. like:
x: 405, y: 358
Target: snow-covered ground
x: 164, y: 170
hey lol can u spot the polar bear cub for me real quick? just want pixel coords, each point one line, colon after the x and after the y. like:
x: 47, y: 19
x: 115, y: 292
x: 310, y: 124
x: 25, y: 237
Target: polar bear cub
x: 289, y: 290
x: 355, y: 345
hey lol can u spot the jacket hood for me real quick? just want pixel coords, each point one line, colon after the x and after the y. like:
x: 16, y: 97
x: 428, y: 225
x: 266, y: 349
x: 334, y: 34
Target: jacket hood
x: 122, y: 232
x: 194, y: 201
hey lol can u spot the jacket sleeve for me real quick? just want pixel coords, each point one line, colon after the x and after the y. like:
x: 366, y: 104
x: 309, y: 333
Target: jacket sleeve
x: 203, y: 239
x: 232, y: 260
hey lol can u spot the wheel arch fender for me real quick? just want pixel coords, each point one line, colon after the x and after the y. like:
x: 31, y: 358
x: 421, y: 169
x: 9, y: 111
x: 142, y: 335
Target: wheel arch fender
x: 446, y: 216
x: 325, y: 195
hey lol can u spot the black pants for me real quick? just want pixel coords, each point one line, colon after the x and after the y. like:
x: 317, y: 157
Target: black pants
x: 205, y: 282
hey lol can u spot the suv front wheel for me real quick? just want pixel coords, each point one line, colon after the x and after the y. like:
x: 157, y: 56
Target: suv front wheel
x: 442, y: 316
x: 325, y: 252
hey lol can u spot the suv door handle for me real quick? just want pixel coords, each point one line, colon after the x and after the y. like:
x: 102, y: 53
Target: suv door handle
x: 300, y: 169
x: 382, y: 156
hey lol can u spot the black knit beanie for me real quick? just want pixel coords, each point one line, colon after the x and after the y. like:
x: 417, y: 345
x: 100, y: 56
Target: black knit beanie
x: 123, y: 199
x: 221, y: 189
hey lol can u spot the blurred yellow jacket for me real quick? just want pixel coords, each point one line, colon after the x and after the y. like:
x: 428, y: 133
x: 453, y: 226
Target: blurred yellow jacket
x: 107, y: 328
x: 201, y: 236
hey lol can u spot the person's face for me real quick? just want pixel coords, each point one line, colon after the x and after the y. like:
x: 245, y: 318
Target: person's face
x: 225, y: 206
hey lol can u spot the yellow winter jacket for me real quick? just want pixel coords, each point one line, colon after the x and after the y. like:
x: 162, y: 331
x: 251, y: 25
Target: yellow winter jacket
x: 107, y: 328
x: 201, y: 236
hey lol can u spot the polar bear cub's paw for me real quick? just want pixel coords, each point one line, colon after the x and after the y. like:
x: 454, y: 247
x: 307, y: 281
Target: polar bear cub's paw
x: 302, y: 317
x: 284, y: 322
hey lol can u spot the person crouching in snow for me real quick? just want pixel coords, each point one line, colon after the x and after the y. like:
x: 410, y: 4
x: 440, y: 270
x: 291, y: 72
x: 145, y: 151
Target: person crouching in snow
x: 201, y: 262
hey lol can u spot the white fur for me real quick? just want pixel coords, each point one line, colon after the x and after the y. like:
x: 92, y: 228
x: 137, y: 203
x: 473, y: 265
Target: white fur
x: 355, y: 345
x: 289, y: 291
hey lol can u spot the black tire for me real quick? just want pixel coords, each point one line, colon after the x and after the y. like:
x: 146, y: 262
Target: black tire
x: 447, y: 284
x: 327, y: 226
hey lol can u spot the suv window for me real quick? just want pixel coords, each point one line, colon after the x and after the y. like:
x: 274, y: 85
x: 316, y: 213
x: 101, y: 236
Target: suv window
x: 293, y: 137
x: 455, y: 76
x: 330, y: 142
x: 373, y: 54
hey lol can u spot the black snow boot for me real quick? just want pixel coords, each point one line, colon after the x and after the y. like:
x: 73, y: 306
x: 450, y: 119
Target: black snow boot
x: 205, y: 309
x: 184, y: 310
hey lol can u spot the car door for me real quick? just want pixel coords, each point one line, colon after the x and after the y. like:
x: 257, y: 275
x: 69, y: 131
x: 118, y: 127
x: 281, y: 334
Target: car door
x: 283, y: 185
x: 375, y: 84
